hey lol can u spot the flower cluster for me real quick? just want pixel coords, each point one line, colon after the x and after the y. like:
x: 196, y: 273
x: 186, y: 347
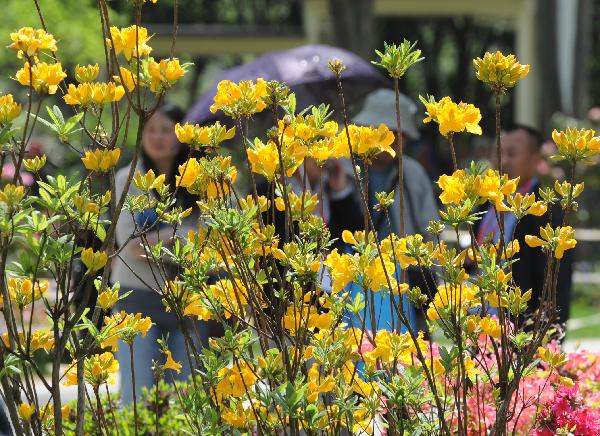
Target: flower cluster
x: 29, y: 42
x: 42, y: 77
x: 9, y: 109
x: 203, y: 137
x: 452, y: 117
x: 499, y: 71
x: 240, y: 99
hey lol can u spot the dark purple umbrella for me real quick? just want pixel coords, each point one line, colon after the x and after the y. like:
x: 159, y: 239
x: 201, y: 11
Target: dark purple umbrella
x: 305, y: 70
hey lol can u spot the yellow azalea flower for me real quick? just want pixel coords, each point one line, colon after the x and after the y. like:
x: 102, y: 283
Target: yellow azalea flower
x: 164, y: 73
x: 375, y: 274
x: 459, y: 298
x: 23, y: 291
x: 87, y: 73
x: 198, y: 136
x: 240, y: 99
x: 98, y: 369
x: 170, y: 363
x: 108, y: 298
x: 35, y: 164
x: 93, y: 260
x: 235, y: 382
x: 236, y: 418
x: 211, y: 178
x: 42, y: 339
x: 188, y: 173
x: 29, y: 41
x: 452, y: 117
x: 26, y: 411
x: 499, y: 71
x: 367, y: 142
x: 101, y: 160
x: 490, y: 326
x: 148, y: 181
x: 12, y: 194
x: 577, y: 144
x: 264, y: 159
x: 538, y: 208
x: 126, y: 78
x: 198, y: 309
x: 318, y: 385
x: 127, y: 326
x: 453, y: 187
x: 97, y: 93
x: 46, y: 77
x: 9, y: 109
x: 558, y: 240
x: 493, y: 187
x: 48, y: 413
x: 132, y: 41
x: 306, y: 318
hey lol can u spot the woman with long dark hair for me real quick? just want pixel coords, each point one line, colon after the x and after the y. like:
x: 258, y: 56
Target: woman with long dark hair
x: 162, y: 153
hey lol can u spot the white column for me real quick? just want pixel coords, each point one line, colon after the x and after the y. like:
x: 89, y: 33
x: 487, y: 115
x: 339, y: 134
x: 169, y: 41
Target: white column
x: 528, y: 89
x: 315, y: 18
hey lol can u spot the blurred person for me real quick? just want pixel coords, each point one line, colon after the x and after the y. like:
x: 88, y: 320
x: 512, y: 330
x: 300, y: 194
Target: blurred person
x: 521, y: 152
x: 162, y: 153
x: 420, y: 205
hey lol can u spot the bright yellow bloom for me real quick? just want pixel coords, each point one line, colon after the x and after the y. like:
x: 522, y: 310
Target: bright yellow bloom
x: 108, y: 298
x: 29, y: 42
x: 318, y: 385
x: 40, y: 340
x: 26, y: 411
x: 98, y: 369
x: 126, y: 326
x: 367, y: 142
x: 208, y: 177
x: 375, y: 274
x: 165, y: 73
x: 240, y: 99
x: 46, y: 77
x: 499, y: 71
x: 170, y: 363
x: 126, y: 78
x: 306, y: 317
x: 98, y: 93
x: 23, y: 291
x: 148, y: 181
x: 188, y: 173
x: 235, y: 382
x: 9, y: 109
x: 458, y: 298
x: 558, y: 240
x: 452, y: 117
x: 87, y: 73
x: 12, y: 194
x: 493, y: 187
x: 132, y: 41
x: 93, y: 260
x: 453, y: 187
x: 101, y: 159
x: 342, y: 268
x: 197, y: 136
x: 490, y: 326
x: 576, y: 143
x: 264, y: 159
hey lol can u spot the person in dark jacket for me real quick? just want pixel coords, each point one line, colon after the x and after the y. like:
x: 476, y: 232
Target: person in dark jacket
x: 521, y: 154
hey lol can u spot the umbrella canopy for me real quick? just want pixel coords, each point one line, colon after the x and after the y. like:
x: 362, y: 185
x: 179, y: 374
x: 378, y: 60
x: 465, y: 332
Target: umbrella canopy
x: 305, y: 70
